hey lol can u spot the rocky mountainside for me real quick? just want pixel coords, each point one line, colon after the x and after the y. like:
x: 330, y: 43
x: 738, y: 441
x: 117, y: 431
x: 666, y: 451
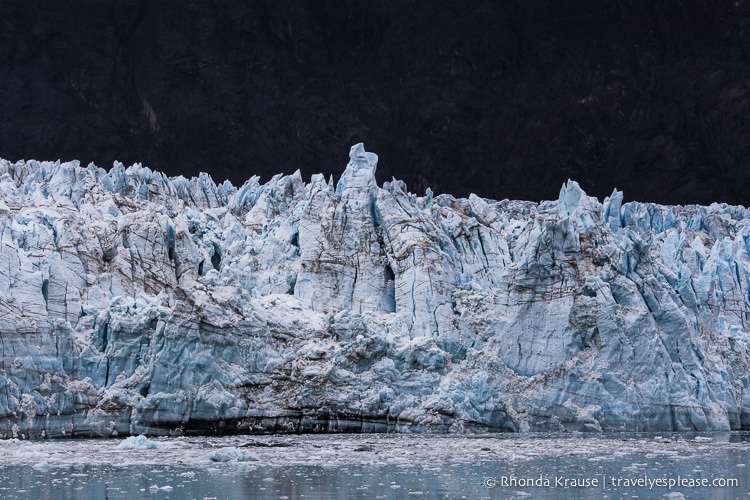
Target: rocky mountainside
x: 131, y: 302
x: 648, y: 96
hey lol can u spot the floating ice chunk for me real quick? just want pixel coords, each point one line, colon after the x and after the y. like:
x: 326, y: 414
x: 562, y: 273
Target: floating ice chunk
x: 137, y: 443
x: 155, y: 487
x: 673, y: 495
x: 228, y: 454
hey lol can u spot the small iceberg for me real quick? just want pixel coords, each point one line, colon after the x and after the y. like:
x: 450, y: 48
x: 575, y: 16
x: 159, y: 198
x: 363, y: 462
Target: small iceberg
x: 227, y: 454
x: 137, y: 443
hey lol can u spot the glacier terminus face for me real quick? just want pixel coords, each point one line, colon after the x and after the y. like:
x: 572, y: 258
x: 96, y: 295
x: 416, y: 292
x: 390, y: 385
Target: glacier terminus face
x: 132, y: 303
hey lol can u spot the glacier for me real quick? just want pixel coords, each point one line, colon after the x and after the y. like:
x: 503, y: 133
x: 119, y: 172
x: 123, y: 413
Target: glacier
x: 136, y: 304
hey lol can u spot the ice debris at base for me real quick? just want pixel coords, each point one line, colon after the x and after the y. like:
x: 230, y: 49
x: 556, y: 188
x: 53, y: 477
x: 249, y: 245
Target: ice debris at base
x: 229, y: 453
x: 343, y: 450
x: 155, y: 487
x: 137, y: 443
x: 132, y: 303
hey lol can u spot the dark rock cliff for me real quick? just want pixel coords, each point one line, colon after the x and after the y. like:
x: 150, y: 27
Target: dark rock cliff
x: 504, y: 99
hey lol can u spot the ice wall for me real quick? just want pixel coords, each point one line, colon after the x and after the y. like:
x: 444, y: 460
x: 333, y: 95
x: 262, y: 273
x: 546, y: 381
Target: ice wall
x: 135, y: 303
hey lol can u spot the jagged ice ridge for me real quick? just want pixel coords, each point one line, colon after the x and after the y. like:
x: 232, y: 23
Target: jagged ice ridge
x: 135, y: 303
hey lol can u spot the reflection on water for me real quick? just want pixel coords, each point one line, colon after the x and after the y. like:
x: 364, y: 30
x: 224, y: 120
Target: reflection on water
x: 384, y: 467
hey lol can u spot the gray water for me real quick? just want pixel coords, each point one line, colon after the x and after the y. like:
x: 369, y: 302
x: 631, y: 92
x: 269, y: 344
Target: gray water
x: 381, y: 466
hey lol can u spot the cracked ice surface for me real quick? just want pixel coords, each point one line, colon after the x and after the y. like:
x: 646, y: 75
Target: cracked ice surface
x: 135, y: 303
